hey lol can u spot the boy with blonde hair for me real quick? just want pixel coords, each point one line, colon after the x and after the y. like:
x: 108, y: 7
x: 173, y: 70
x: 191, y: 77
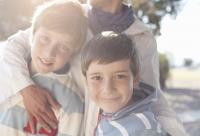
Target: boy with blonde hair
x: 57, y: 34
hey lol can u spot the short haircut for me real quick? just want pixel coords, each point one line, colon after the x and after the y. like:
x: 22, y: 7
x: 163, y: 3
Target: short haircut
x: 63, y: 16
x: 108, y: 47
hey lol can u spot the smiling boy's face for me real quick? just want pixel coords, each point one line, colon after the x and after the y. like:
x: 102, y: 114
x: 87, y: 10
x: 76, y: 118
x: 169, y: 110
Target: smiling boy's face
x: 50, y: 50
x: 110, y: 85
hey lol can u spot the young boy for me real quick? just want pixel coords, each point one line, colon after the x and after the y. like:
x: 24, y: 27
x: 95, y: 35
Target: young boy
x: 114, y: 15
x: 111, y: 68
x: 57, y: 35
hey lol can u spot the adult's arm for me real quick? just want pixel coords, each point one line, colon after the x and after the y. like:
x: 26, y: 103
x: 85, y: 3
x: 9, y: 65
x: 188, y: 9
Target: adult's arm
x: 147, y: 52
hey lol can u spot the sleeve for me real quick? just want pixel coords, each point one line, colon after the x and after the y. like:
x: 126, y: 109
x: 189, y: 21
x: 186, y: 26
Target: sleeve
x: 14, y: 61
x: 148, y: 56
x: 167, y: 117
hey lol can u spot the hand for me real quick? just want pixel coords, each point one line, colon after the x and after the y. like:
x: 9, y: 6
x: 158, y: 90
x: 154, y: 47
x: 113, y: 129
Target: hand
x: 39, y: 103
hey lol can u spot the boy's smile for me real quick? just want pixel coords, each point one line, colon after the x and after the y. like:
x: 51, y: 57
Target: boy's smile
x: 110, y: 85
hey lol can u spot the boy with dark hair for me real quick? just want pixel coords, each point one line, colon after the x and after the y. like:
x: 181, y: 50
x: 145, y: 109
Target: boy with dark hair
x: 118, y: 16
x: 111, y: 68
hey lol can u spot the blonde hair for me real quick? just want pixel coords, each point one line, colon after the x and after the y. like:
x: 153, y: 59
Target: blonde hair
x: 63, y: 16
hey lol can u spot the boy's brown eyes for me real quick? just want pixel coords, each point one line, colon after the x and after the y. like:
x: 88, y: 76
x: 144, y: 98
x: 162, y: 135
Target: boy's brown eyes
x: 117, y: 77
x: 121, y: 76
x: 96, y: 78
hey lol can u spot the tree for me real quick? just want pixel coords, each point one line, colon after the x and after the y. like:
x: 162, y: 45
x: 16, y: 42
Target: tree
x: 15, y: 14
x: 188, y: 62
x: 152, y: 11
x: 163, y: 69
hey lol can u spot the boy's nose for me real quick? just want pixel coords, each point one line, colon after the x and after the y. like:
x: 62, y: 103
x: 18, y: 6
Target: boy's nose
x: 108, y: 86
x: 50, y: 52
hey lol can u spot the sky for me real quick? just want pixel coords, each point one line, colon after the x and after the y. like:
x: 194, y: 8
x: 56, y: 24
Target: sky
x: 180, y: 37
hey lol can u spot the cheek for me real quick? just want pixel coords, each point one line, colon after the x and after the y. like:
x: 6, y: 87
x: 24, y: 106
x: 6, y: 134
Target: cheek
x: 60, y: 63
x: 34, y: 53
x: 65, y: 56
x: 36, y: 49
x: 62, y: 59
x: 93, y: 92
x: 126, y: 89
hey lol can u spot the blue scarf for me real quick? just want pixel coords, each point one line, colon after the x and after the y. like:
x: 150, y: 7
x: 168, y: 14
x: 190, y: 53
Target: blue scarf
x: 103, y: 21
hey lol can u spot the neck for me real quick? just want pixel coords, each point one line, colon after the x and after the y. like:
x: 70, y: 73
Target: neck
x: 113, y: 7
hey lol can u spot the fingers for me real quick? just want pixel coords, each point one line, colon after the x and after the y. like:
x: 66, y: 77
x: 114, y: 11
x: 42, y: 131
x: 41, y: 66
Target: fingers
x: 39, y: 103
x: 32, y: 123
x: 44, y: 124
x: 42, y: 119
x: 44, y: 112
x: 53, y: 102
x: 49, y: 117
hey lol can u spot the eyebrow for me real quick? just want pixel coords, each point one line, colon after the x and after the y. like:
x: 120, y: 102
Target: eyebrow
x: 91, y: 74
x: 122, y: 71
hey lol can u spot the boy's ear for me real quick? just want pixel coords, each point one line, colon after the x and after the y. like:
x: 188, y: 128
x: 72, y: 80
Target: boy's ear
x: 136, y: 80
x: 85, y: 81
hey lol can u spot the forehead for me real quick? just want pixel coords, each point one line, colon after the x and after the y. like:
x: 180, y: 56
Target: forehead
x: 54, y: 35
x: 116, y: 66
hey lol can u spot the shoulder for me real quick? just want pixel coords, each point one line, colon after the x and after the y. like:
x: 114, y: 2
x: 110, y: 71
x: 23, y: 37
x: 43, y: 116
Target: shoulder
x: 138, y: 29
x: 21, y: 35
x: 86, y: 8
x: 144, y: 120
x: 133, y: 124
x: 142, y: 37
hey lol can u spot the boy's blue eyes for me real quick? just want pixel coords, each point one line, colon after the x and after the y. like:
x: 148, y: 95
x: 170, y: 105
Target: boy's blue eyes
x: 44, y: 39
x: 121, y: 76
x: 64, y: 48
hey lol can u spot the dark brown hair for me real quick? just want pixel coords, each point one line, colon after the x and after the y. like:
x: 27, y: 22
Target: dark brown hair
x: 108, y: 47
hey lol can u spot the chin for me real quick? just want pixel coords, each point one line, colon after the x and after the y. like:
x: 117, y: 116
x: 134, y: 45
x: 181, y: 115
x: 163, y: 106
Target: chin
x: 42, y: 71
x: 110, y: 110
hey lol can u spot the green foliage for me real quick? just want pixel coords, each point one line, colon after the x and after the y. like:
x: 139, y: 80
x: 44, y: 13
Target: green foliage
x: 152, y: 11
x: 15, y: 14
x: 188, y: 62
x: 164, y: 69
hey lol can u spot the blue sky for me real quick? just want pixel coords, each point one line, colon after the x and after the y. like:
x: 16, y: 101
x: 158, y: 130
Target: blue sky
x: 181, y: 37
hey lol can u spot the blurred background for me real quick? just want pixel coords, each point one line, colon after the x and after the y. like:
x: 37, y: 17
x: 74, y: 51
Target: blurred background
x: 175, y: 24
